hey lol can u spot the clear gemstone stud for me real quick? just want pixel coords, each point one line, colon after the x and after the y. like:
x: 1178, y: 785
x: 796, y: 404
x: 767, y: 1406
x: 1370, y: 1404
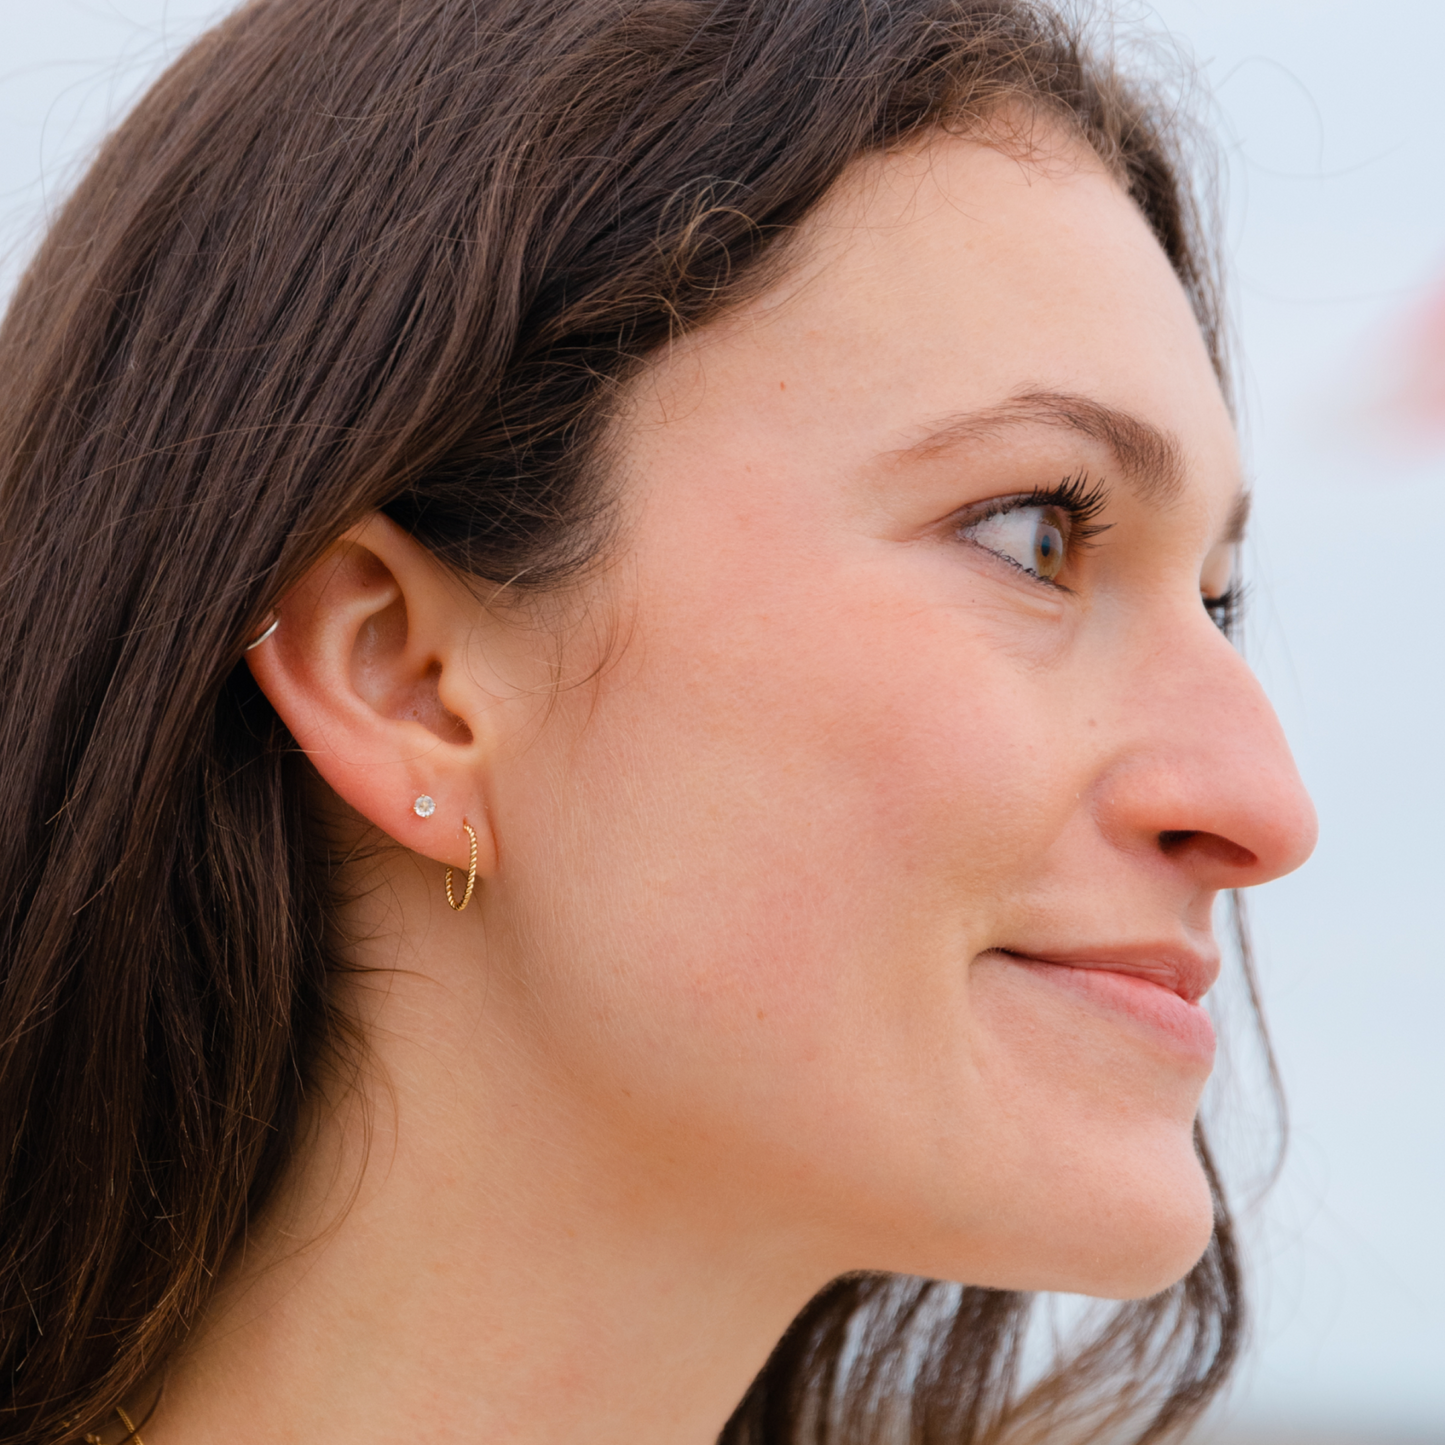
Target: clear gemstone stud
x: 424, y: 806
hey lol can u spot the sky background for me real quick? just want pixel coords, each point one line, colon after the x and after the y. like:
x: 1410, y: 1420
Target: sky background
x: 1331, y: 119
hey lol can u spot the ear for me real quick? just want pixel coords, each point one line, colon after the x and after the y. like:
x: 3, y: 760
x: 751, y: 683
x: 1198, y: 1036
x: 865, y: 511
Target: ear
x: 370, y: 669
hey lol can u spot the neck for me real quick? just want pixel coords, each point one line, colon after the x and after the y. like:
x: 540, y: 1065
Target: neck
x: 467, y: 1250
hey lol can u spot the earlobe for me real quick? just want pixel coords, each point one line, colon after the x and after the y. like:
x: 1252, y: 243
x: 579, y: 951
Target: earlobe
x: 368, y: 669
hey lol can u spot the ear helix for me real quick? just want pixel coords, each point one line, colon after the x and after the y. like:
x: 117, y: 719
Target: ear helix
x: 424, y: 807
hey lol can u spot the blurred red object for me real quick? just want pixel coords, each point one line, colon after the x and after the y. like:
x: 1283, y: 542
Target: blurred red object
x: 1420, y: 395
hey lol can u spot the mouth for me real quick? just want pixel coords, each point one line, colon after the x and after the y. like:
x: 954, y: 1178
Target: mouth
x: 1157, y: 988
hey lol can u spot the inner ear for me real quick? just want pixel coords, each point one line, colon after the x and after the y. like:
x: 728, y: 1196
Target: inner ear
x: 383, y: 671
x: 425, y: 706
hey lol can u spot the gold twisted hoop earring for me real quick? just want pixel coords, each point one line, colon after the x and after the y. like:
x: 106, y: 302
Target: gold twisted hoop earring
x: 471, y: 873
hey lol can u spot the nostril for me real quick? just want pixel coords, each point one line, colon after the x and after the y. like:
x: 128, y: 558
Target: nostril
x: 1208, y: 845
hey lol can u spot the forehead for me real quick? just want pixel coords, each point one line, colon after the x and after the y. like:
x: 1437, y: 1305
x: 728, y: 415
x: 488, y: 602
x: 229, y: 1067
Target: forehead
x: 949, y: 277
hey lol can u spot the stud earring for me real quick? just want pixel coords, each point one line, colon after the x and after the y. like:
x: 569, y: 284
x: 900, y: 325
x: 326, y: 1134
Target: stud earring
x: 424, y: 806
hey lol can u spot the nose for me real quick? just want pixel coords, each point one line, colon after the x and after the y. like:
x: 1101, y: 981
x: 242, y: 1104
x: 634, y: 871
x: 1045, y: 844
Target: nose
x: 1204, y: 776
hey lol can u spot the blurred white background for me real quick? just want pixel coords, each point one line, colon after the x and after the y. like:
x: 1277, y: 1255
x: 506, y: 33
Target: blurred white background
x: 1332, y: 118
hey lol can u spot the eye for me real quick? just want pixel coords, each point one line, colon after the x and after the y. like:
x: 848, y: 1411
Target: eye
x: 1218, y: 587
x: 1224, y: 609
x: 1033, y: 536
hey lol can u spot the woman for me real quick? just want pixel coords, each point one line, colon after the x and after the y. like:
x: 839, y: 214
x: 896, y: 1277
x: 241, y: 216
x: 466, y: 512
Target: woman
x: 616, y: 736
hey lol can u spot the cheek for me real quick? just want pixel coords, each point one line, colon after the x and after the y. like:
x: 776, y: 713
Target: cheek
x: 809, y: 772
x: 772, y: 845
x: 747, y: 880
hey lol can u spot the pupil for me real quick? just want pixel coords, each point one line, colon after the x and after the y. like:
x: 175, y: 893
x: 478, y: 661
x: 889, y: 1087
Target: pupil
x: 1048, y: 550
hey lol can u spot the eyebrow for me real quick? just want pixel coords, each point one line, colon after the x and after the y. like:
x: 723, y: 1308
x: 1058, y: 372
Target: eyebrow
x: 1238, y: 518
x: 1150, y: 459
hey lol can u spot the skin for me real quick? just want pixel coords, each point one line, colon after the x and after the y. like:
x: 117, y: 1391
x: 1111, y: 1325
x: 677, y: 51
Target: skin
x: 776, y: 822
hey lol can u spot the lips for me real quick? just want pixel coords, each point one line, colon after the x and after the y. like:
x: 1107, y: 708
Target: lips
x: 1158, y: 988
x: 1184, y: 972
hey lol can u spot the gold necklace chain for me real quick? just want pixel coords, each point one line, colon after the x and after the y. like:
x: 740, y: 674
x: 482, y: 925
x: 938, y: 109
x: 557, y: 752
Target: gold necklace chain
x: 131, y: 1439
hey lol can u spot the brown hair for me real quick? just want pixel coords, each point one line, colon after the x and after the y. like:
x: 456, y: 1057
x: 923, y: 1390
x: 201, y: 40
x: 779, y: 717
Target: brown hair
x: 347, y: 255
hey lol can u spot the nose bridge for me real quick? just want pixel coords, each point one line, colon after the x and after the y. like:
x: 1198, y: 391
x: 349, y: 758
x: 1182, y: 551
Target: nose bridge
x: 1202, y: 753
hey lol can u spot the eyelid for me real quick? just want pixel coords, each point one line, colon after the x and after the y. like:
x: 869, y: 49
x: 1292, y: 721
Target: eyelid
x: 1079, y: 499
x: 1226, y: 609
x: 1075, y: 495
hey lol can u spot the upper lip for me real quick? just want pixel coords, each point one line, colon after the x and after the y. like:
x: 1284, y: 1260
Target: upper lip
x: 1185, y: 971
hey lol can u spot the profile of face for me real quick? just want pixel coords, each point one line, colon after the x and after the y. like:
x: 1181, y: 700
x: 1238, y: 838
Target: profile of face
x: 849, y: 862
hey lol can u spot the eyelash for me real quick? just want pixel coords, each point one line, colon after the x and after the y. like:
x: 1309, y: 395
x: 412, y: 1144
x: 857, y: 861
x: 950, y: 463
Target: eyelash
x: 1226, y: 608
x: 1076, y: 496
x: 1083, y: 500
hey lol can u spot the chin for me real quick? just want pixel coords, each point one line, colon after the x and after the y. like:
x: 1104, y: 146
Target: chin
x: 1141, y: 1277
x: 1122, y: 1229
x: 1153, y: 1240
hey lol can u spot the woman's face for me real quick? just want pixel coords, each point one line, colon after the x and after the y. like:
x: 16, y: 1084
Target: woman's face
x: 860, y: 886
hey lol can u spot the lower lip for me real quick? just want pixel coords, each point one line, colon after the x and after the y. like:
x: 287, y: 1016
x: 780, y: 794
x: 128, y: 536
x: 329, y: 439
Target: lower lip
x: 1184, y: 1025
